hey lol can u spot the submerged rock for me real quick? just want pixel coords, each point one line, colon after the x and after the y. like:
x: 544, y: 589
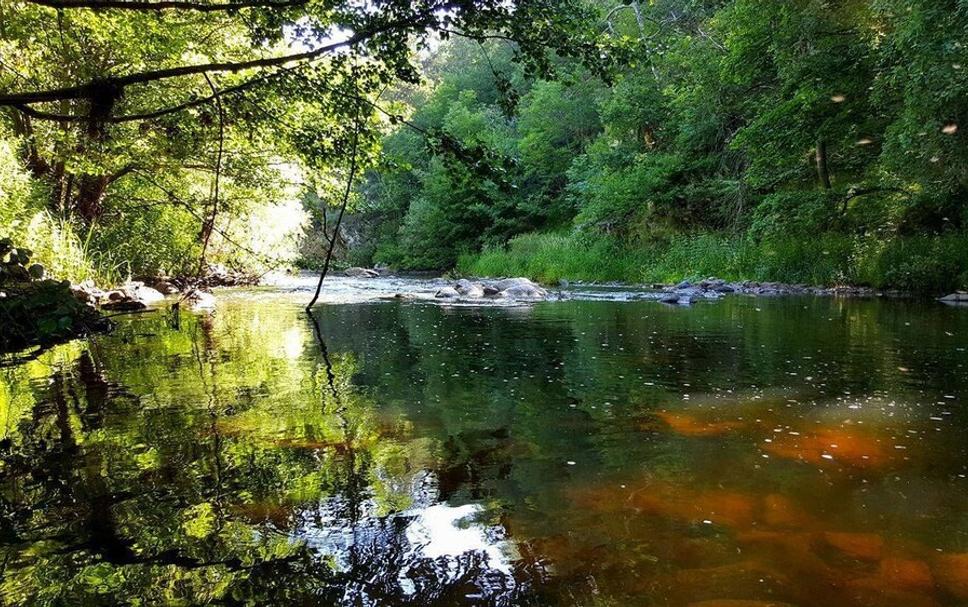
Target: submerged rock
x: 167, y: 288
x: 951, y: 572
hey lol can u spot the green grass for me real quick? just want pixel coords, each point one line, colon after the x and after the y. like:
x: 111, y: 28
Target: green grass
x: 58, y: 245
x: 551, y: 257
x: 923, y: 264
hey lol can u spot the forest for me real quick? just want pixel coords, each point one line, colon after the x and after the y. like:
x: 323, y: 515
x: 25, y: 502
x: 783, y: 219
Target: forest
x: 484, y: 303
x: 805, y: 141
x: 813, y: 142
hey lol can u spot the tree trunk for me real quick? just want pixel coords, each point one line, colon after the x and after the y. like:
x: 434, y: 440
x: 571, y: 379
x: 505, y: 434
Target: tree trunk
x: 823, y: 170
x: 90, y: 195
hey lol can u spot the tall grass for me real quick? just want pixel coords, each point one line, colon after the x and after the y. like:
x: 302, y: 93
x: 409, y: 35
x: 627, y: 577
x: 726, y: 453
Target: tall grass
x: 60, y: 247
x: 931, y: 265
x: 551, y: 257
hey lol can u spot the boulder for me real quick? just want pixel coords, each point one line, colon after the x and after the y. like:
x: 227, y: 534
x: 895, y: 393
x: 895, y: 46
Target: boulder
x: 507, y: 283
x: 83, y: 295
x: 519, y: 288
x: 201, y: 300
x: 685, y: 284
x: 447, y: 293
x: 145, y: 295
x: 165, y: 288
x: 469, y: 289
x: 356, y: 272
x: 669, y: 298
x: 524, y: 292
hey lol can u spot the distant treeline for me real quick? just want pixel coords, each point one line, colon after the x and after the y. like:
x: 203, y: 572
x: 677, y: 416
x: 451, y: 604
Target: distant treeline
x: 805, y: 141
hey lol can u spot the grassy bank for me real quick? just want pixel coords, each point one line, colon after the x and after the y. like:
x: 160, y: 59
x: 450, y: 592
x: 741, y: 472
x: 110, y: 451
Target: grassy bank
x: 930, y: 265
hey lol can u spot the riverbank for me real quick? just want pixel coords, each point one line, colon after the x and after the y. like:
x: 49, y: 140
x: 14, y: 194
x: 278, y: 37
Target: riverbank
x: 925, y: 266
x: 40, y: 311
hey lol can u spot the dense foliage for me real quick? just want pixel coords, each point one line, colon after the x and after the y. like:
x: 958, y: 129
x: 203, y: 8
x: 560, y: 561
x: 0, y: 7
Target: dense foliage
x: 801, y: 141
x: 35, y: 310
x: 146, y: 136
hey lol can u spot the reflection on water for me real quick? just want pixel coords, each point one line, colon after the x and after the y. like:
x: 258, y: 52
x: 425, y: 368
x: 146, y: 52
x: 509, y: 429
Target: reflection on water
x: 746, y: 452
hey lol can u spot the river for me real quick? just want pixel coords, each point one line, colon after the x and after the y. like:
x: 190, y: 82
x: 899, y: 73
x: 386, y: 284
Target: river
x: 600, y: 450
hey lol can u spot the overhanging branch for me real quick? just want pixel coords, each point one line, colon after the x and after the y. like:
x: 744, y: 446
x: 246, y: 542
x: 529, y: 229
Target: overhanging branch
x: 113, y: 85
x: 161, y: 5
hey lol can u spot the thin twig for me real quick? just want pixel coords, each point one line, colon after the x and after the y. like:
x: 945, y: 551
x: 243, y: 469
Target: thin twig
x: 209, y: 223
x: 342, y: 209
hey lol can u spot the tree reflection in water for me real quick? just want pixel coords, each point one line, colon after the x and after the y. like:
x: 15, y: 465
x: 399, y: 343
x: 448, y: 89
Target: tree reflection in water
x: 578, y: 453
x: 230, y: 479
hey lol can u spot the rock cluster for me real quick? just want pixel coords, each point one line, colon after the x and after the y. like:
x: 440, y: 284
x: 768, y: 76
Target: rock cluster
x: 518, y: 289
x: 356, y: 272
x: 687, y: 292
x: 130, y: 297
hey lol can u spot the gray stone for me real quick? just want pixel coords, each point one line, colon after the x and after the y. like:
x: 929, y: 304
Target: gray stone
x: 469, y: 289
x: 201, y: 300
x: 145, y: 295
x: 447, y: 293
x: 524, y: 292
x: 355, y: 272
x: 507, y: 283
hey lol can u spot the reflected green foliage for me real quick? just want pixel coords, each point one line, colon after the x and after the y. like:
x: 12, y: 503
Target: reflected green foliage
x: 224, y: 459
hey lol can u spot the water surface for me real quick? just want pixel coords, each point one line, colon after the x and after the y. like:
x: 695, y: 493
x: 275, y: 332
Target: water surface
x: 800, y: 451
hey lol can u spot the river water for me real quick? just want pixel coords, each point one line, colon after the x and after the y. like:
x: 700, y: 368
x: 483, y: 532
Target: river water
x: 600, y: 450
